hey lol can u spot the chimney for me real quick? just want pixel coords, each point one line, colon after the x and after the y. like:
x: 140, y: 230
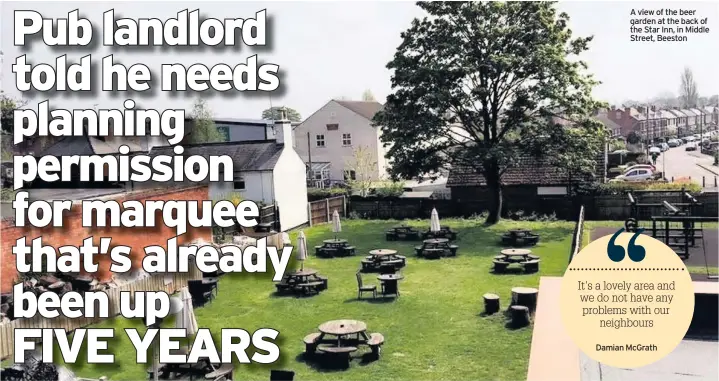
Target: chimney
x: 283, y: 130
x: 653, y: 108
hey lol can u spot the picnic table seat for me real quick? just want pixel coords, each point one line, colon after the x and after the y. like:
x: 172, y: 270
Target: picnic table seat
x: 325, y: 282
x: 533, y: 257
x: 350, y: 250
x: 531, y: 239
x: 367, y: 265
x: 402, y: 259
x: 311, y: 341
x: 500, y: 266
x: 433, y: 253
x: 453, y: 250
x: 396, y: 263
x: 391, y: 235
x: 418, y: 250
x: 340, y: 355
x: 499, y: 257
x: 311, y: 288
x: 531, y: 266
x: 375, y: 343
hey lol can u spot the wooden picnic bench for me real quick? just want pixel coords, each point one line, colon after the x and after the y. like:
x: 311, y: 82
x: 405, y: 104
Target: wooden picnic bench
x: 338, y: 355
x: 305, y: 282
x: 435, y: 248
x: 334, y: 248
x: 380, y: 259
x: 520, y: 238
x: 523, y: 257
x: 444, y: 232
x: 402, y: 233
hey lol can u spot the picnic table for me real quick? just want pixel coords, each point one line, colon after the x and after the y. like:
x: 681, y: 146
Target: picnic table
x: 203, y: 369
x: 406, y: 233
x: 383, y: 258
x: 338, y: 339
x: 435, y: 248
x: 444, y: 232
x: 390, y: 284
x: 519, y: 238
x: 523, y: 257
x: 304, y: 282
x: 335, y: 247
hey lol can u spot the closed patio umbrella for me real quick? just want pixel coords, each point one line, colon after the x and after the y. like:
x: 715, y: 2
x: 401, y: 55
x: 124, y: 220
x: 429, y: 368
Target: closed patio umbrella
x: 336, y: 224
x: 301, y: 249
x: 434, y: 221
x: 655, y: 150
x: 186, y: 319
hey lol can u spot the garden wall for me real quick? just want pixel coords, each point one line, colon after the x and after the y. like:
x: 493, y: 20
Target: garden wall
x: 72, y: 233
x: 605, y: 207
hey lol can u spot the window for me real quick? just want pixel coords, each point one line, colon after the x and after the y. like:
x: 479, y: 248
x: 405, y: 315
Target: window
x: 632, y: 173
x: 320, y: 140
x: 239, y: 183
x: 350, y: 175
x: 333, y: 127
x: 346, y: 140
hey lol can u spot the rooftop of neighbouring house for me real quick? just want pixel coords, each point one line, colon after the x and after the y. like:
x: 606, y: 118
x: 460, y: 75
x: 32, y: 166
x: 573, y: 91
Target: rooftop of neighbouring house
x: 529, y: 171
x: 367, y: 109
x: 258, y: 155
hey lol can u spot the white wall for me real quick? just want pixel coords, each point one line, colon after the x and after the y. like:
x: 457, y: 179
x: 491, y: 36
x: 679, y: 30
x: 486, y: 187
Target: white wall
x: 258, y: 187
x: 290, y: 184
x: 363, y: 134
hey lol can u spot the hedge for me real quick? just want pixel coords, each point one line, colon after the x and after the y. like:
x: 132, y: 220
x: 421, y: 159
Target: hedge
x: 621, y: 187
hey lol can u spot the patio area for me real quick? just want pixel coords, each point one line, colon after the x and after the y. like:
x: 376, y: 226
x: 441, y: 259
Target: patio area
x: 429, y: 332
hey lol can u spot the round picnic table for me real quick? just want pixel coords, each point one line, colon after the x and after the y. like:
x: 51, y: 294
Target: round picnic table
x: 342, y: 327
x: 382, y: 252
x: 390, y: 283
x: 511, y: 253
x: 335, y: 241
x: 390, y: 277
x: 435, y: 241
x: 304, y: 273
x: 518, y: 232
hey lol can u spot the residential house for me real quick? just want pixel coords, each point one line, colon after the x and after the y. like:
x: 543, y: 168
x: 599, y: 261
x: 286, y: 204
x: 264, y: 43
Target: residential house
x: 629, y: 118
x: 327, y: 141
x: 267, y: 171
x: 711, y: 114
x: 682, y: 121
x: 692, y: 117
x: 240, y: 130
x: 702, y: 119
x: 669, y: 122
x: 612, y: 127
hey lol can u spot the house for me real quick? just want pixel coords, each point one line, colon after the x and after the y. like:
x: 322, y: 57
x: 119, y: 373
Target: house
x: 611, y: 126
x: 692, y: 117
x: 682, y: 120
x: 267, y: 171
x: 629, y: 118
x: 240, y: 130
x: 670, y: 122
x: 327, y: 141
x: 711, y: 115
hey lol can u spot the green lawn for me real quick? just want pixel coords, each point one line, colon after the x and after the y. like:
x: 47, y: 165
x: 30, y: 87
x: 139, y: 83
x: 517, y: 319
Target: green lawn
x: 434, y: 331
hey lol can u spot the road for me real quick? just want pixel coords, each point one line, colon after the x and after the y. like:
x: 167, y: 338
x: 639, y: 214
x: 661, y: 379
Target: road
x: 678, y: 163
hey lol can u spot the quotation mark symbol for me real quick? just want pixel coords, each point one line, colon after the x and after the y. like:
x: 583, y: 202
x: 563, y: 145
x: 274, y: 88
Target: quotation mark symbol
x: 635, y: 252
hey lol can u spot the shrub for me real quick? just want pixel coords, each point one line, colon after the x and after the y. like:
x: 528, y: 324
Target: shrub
x: 322, y: 193
x: 389, y: 189
x: 621, y: 187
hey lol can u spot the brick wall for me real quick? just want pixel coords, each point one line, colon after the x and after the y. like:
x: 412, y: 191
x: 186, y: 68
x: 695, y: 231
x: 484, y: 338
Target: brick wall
x: 72, y: 233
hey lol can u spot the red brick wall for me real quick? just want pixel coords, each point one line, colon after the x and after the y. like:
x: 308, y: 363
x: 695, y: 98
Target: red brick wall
x: 72, y: 233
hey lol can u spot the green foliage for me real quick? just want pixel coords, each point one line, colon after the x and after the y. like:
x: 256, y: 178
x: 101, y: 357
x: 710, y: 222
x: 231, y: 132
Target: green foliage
x: 622, y: 187
x: 617, y: 144
x: 204, y: 129
x: 364, y: 166
x: 7, y: 194
x: 7, y: 107
x: 477, y: 84
x: 275, y: 113
x: 368, y: 96
x: 321, y: 193
x: 389, y: 189
x: 634, y: 138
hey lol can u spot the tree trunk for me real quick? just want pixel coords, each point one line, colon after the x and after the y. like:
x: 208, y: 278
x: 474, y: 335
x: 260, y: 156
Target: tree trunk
x: 491, y: 175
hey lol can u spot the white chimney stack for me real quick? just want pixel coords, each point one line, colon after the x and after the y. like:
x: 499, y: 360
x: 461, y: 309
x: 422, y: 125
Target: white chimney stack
x: 283, y: 130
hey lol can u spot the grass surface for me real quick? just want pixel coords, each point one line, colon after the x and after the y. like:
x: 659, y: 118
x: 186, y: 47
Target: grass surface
x: 434, y: 331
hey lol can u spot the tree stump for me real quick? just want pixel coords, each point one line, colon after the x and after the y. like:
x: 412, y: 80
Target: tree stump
x: 491, y: 303
x: 520, y: 316
x: 525, y: 296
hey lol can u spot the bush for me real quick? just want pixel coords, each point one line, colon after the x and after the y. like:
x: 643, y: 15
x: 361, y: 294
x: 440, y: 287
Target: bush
x: 621, y: 187
x: 322, y: 193
x: 389, y: 189
x: 7, y: 194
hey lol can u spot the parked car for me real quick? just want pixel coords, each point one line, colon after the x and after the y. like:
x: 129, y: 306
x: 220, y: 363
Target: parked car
x: 691, y: 146
x: 673, y: 143
x: 639, y: 174
x: 664, y: 147
x: 638, y: 166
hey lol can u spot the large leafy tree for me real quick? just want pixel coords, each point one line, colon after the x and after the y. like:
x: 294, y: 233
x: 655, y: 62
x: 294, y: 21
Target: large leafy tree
x: 481, y: 84
x: 204, y: 129
x: 688, y: 91
x: 275, y: 113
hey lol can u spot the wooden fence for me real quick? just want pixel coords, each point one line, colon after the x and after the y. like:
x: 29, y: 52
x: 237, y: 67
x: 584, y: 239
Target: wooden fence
x: 321, y: 211
x: 169, y: 283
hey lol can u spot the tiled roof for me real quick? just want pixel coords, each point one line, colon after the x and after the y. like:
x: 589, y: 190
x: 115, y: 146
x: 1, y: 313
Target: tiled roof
x: 530, y: 171
x: 689, y: 112
x: 246, y: 156
x: 608, y: 123
x: 366, y: 109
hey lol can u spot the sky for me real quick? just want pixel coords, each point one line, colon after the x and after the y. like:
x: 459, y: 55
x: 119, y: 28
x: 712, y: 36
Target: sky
x: 328, y: 50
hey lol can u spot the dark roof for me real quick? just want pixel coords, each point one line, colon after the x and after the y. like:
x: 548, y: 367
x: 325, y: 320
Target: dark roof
x: 246, y: 156
x: 530, y: 171
x: 608, y: 123
x: 71, y: 145
x: 366, y: 109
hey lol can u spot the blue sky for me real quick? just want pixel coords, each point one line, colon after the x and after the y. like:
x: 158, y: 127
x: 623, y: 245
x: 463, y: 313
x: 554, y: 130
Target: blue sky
x: 332, y: 49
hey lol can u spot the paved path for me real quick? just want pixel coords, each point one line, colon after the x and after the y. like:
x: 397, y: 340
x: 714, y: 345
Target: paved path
x: 679, y: 163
